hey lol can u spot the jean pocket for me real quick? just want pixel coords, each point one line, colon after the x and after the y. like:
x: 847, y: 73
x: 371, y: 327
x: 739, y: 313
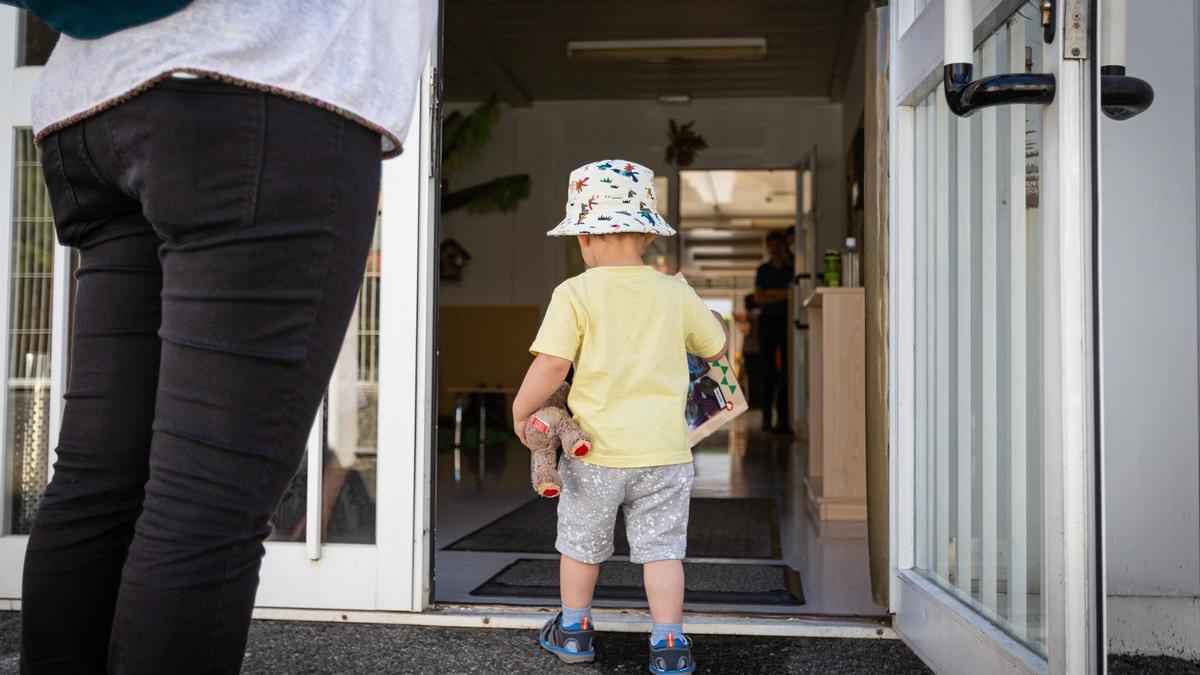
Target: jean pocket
x: 194, y: 158
x: 69, y: 219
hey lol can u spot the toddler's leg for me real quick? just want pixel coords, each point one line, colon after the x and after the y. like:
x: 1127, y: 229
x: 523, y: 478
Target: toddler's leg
x: 577, y: 583
x: 586, y: 511
x: 670, y: 649
x: 664, y: 589
x: 569, y: 635
x: 656, y: 515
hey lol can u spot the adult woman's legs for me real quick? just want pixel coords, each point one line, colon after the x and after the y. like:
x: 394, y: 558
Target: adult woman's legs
x: 264, y: 208
x: 253, y: 318
x: 85, y: 522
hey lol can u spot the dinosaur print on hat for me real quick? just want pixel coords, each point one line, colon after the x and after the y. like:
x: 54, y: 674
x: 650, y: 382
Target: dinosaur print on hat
x: 600, y: 206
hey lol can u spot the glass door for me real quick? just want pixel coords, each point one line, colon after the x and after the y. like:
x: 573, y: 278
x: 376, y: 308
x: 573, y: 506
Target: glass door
x: 995, y: 545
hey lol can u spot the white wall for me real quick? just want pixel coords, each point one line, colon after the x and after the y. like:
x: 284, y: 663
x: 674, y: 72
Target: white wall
x: 515, y: 263
x: 1149, y: 334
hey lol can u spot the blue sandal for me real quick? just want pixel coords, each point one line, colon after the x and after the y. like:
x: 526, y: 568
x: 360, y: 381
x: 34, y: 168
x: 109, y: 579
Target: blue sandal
x: 672, y: 656
x: 570, y: 645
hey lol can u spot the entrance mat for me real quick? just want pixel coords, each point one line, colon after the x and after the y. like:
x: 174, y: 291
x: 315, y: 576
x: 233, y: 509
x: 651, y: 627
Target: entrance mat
x: 724, y: 583
x: 717, y: 528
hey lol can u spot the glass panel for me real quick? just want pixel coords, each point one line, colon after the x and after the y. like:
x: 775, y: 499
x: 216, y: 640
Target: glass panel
x: 37, y: 40
x: 978, y: 346
x: 351, y: 420
x: 31, y: 276
x: 349, y: 416
x: 288, y: 521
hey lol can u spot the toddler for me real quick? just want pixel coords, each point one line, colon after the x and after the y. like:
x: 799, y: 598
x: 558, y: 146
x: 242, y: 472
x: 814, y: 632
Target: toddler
x: 627, y: 329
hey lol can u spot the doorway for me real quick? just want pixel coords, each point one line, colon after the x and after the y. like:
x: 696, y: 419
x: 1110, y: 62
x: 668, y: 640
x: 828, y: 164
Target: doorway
x: 548, y: 106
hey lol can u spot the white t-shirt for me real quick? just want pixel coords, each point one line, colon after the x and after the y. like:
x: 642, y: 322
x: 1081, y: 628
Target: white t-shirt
x: 360, y: 58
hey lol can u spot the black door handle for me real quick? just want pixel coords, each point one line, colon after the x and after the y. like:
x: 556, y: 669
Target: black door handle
x: 964, y: 96
x: 1123, y: 96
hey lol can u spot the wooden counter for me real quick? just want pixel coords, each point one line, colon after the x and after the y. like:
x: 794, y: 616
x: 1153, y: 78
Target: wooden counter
x: 837, y: 420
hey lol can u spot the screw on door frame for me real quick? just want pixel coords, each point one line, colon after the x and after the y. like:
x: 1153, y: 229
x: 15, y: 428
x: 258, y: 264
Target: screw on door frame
x: 1075, y: 45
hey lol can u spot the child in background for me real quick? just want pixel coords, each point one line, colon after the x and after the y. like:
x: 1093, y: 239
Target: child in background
x: 627, y: 329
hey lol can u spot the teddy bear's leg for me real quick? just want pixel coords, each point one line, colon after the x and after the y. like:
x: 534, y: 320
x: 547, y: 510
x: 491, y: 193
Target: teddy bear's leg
x: 544, y: 473
x: 575, y: 441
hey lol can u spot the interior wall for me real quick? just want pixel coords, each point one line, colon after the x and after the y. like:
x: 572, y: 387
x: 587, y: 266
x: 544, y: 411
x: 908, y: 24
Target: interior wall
x: 853, y: 96
x: 1149, y: 335
x: 513, y: 262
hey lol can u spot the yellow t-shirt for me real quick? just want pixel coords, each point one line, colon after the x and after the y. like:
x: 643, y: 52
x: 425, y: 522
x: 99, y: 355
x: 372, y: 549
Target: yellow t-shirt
x: 628, y: 331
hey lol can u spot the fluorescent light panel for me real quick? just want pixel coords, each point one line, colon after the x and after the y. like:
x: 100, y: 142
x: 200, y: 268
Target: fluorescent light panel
x: 685, y: 49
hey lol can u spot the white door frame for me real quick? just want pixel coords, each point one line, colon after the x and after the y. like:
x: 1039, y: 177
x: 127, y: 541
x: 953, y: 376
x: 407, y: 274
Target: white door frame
x: 394, y: 573
x: 949, y: 635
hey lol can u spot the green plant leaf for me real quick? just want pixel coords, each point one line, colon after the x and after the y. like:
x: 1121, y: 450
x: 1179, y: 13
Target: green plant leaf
x: 464, y: 136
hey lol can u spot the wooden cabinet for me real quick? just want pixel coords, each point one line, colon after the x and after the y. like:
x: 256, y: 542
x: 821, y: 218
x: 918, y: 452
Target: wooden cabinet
x: 837, y: 423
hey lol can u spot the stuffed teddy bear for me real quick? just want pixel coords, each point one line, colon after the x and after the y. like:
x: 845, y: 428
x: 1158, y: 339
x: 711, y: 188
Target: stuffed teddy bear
x: 546, y: 429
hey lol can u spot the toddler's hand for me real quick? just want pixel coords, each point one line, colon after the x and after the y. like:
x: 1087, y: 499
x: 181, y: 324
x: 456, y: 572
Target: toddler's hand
x: 519, y: 426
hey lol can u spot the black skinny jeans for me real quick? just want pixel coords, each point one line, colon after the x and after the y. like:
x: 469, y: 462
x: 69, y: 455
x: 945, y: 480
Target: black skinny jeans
x: 222, y: 236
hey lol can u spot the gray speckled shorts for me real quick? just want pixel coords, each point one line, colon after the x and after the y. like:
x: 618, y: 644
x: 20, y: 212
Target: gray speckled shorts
x: 655, y: 498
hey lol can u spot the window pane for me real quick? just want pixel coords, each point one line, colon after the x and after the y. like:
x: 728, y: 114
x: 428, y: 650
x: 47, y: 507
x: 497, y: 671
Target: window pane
x: 37, y: 40
x: 978, y: 346
x: 31, y: 281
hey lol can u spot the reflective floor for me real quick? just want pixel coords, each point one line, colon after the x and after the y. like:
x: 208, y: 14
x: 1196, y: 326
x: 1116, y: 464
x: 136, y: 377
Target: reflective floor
x: 831, y: 559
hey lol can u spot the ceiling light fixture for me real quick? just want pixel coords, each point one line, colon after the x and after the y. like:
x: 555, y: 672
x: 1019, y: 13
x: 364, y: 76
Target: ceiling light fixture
x: 674, y: 99
x: 657, y: 51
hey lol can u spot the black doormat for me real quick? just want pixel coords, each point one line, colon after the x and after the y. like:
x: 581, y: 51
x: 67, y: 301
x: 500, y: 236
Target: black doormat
x: 723, y: 583
x: 717, y: 528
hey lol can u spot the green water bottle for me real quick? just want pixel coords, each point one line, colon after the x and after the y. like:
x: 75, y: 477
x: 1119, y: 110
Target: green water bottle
x: 833, y: 267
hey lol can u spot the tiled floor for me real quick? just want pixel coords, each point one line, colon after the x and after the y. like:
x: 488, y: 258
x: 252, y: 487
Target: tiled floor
x: 831, y: 558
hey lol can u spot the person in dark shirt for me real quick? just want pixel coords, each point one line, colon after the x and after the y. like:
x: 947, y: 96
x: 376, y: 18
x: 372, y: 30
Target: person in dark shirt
x: 772, y: 286
x: 750, y: 364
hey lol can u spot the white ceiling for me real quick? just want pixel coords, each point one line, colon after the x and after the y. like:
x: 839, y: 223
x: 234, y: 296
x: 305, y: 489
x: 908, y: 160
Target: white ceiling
x: 518, y: 48
x: 737, y: 198
x: 725, y: 215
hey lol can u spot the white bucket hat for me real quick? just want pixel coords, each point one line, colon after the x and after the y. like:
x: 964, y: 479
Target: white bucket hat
x: 611, y: 196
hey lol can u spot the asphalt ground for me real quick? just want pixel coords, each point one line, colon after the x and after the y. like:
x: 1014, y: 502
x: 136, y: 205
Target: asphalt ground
x: 294, y: 647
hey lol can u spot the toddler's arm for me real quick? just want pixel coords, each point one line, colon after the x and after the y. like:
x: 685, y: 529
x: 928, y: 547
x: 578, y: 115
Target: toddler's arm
x: 543, y: 377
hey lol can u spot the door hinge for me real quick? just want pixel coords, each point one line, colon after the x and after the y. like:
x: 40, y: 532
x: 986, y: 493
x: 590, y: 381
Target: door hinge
x: 1075, y: 29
